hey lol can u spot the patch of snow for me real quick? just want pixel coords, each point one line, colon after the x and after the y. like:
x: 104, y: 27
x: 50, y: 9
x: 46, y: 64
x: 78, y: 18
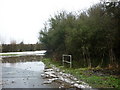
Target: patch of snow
x: 47, y: 70
x: 63, y: 77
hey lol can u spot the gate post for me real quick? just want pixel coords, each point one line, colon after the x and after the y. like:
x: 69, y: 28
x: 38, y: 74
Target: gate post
x: 66, y: 61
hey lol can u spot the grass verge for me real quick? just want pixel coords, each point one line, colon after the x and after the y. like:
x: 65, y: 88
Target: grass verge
x: 94, y: 79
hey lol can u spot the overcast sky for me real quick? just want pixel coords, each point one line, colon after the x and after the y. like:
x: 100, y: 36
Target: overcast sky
x: 21, y: 20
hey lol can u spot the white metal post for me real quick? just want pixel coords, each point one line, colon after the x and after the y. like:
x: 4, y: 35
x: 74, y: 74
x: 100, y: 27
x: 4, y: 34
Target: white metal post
x: 70, y: 60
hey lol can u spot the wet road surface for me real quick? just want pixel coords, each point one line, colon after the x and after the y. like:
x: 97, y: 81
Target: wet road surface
x: 24, y: 75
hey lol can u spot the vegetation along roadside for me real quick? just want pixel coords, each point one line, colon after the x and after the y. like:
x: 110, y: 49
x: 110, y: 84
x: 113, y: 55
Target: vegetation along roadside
x: 95, y: 77
x: 92, y: 38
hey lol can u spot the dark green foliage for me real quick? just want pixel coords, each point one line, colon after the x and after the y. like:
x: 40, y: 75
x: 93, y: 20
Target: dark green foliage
x: 91, y: 37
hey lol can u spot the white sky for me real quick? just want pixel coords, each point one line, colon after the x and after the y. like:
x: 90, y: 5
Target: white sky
x: 21, y: 20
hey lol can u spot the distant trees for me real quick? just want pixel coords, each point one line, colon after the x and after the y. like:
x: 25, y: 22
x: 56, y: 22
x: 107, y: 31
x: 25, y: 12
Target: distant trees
x: 92, y: 37
x: 13, y: 47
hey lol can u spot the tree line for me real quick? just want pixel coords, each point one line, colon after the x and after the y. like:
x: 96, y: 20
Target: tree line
x: 92, y: 36
x: 21, y: 47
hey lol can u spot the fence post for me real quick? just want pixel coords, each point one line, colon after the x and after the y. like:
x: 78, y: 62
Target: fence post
x: 70, y: 61
x: 65, y: 61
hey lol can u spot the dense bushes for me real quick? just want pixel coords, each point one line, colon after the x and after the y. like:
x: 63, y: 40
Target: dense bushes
x: 92, y: 37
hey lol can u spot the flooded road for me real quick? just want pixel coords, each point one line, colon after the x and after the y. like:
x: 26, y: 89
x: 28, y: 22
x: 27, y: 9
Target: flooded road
x: 27, y: 71
x: 23, y: 74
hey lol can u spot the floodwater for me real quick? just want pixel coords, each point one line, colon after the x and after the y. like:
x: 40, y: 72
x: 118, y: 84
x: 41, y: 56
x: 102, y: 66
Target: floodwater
x: 41, y: 53
x: 24, y: 72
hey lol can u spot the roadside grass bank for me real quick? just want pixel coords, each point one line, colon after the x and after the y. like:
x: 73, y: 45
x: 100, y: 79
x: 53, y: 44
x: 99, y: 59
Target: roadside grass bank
x: 95, y: 77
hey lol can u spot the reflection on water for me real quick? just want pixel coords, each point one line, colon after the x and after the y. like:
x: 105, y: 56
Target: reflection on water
x: 24, y: 72
x: 21, y: 59
x: 32, y: 66
x: 31, y: 63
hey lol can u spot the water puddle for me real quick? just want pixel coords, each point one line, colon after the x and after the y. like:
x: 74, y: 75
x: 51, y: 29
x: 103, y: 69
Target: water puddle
x: 24, y: 74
